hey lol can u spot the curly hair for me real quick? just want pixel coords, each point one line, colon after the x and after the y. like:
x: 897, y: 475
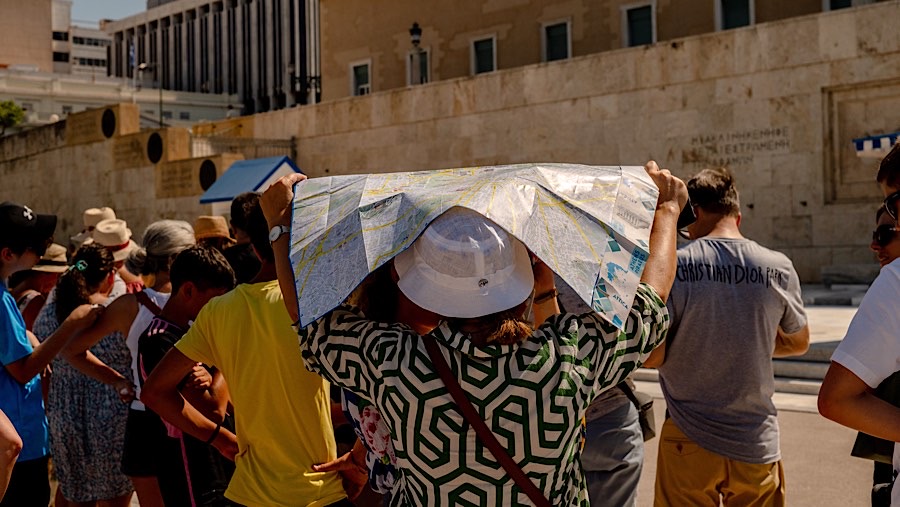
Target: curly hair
x: 90, y: 266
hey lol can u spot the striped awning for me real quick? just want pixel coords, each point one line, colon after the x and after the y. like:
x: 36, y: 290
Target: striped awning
x: 875, y: 146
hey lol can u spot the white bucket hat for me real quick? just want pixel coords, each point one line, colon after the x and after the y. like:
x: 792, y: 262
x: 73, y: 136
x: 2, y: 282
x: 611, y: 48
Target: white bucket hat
x: 115, y: 235
x: 92, y: 217
x: 465, y: 266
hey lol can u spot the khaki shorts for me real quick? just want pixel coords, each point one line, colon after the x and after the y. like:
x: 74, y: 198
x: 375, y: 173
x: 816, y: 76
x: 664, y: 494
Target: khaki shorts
x: 687, y: 474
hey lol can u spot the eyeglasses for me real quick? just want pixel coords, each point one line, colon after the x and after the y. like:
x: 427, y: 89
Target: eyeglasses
x: 890, y: 204
x: 884, y: 234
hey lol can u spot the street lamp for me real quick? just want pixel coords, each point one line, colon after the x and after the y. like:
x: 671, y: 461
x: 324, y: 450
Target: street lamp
x: 312, y: 85
x: 155, y: 66
x: 415, y: 36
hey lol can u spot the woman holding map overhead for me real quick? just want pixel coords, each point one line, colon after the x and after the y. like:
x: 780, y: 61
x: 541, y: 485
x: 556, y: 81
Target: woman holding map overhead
x: 526, y: 388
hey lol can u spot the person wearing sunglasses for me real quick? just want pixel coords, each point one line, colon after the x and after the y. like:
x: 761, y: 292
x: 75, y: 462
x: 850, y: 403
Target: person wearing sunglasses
x: 884, y: 238
x: 24, y: 237
x: 870, y: 351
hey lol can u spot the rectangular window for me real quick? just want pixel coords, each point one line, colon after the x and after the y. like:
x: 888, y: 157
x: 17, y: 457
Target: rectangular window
x: 66, y: 110
x: 60, y: 36
x: 184, y: 115
x: 839, y: 4
x: 361, y: 81
x: 167, y: 115
x: 60, y: 57
x: 556, y: 42
x: 735, y: 13
x: 423, y: 75
x: 639, y: 26
x: 483, y: 56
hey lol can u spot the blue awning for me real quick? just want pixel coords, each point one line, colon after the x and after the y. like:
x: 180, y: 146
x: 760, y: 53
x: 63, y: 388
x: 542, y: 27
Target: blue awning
x: 875, y: 146
x: 247, y: 176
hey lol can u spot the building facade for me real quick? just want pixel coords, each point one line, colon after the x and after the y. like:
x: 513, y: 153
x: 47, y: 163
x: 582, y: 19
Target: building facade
x: 366, y: 46
x: 257, y: 49
x: 49, y: 97
x: 25, y: 35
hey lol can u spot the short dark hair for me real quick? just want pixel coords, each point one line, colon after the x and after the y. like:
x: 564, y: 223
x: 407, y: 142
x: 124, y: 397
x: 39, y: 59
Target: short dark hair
x: 203, y: 266
x: 713, y: 190
x: 258, y: 230
x: 238, y: 209
x: 889, y: 170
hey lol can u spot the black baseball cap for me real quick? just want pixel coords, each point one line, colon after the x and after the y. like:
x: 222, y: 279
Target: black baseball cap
x: 21, y: 226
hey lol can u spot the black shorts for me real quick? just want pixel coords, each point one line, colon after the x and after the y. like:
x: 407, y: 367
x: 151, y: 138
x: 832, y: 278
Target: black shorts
x: 29, y: 485
x: 144, y: 438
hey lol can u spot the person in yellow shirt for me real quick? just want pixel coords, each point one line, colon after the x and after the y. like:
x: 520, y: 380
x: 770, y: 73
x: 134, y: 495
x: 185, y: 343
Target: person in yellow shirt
x: 282, y: 411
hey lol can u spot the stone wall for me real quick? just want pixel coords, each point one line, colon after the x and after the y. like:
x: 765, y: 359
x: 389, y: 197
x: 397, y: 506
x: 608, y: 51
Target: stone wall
x: 101, y: 158
x: 779, y: 103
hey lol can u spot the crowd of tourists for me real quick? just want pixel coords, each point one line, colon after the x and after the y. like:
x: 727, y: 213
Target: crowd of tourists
x: 461, y: 372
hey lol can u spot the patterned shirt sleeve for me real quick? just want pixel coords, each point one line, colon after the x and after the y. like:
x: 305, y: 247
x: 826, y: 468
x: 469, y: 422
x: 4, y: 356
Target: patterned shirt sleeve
x: 605, y: 355
x: 351, y: 351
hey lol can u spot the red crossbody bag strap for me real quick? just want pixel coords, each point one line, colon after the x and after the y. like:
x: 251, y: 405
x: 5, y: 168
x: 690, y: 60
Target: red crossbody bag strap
x: 484, y: 434
x: 148, y: 303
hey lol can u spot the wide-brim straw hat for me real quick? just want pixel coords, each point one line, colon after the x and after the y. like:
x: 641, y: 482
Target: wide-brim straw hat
x: 91, y: 217
x: 211, y: 227
x: 53, y: 261
x: 115, y: 235
x: 465, y: 266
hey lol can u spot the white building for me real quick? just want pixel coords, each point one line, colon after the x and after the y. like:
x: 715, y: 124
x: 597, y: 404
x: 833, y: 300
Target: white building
x: 265, y: 51
x: 48, y: 97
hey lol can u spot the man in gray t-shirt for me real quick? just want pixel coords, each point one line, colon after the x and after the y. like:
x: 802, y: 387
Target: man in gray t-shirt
x: 734, y: 306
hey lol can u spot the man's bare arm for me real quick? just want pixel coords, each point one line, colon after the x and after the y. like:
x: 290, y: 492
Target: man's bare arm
x: 794, y: 344
x: 846, y: 399
x: 161, y: 394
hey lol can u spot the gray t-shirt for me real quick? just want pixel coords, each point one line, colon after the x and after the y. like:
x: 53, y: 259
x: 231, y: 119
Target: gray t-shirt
x: 729, y: 297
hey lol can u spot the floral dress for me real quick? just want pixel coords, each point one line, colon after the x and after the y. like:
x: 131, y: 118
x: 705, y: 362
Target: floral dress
x: 375, y: 436
x: 87, y: 420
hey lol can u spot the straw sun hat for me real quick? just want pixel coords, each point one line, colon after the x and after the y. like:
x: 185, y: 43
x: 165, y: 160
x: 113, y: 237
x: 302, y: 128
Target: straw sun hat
x: 465, y: 266
x: 91, y: 217
x: 53, y: 261
x: 115, y: 235
x: 211, y: 227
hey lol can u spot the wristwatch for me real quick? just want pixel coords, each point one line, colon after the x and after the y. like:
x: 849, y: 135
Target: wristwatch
x: 277, y: 231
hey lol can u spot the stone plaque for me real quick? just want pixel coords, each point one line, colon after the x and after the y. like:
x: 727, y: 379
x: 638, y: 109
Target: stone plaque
x: 96, y: 125
x: 185, y: 178
x: 151, y: 147
x: 851, y: 112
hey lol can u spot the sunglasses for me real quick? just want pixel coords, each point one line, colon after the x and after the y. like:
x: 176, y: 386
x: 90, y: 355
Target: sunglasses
x: 890, y: 204
x: 884, y: 234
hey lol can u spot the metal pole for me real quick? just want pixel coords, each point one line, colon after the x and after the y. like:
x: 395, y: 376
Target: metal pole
x: 159, y: 85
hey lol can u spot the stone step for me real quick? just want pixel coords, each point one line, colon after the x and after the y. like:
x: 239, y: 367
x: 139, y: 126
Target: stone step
x: 783, y: 384
x: 819, y: 352
x: 813, y: 370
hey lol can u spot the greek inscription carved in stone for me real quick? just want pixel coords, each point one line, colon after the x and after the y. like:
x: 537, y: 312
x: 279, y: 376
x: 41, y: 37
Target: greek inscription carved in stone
x: 736, y: 147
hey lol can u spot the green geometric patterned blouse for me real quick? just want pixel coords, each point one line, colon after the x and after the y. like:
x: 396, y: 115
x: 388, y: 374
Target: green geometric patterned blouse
x: 532, y: 395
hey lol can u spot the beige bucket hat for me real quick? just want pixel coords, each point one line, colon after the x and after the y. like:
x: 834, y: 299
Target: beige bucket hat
x: 91, y: 217
x: 115, y: 235
x: 53, y: 261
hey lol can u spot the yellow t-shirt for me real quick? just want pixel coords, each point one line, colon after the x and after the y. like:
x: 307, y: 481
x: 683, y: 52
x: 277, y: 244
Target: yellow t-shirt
x: 282, y: 411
